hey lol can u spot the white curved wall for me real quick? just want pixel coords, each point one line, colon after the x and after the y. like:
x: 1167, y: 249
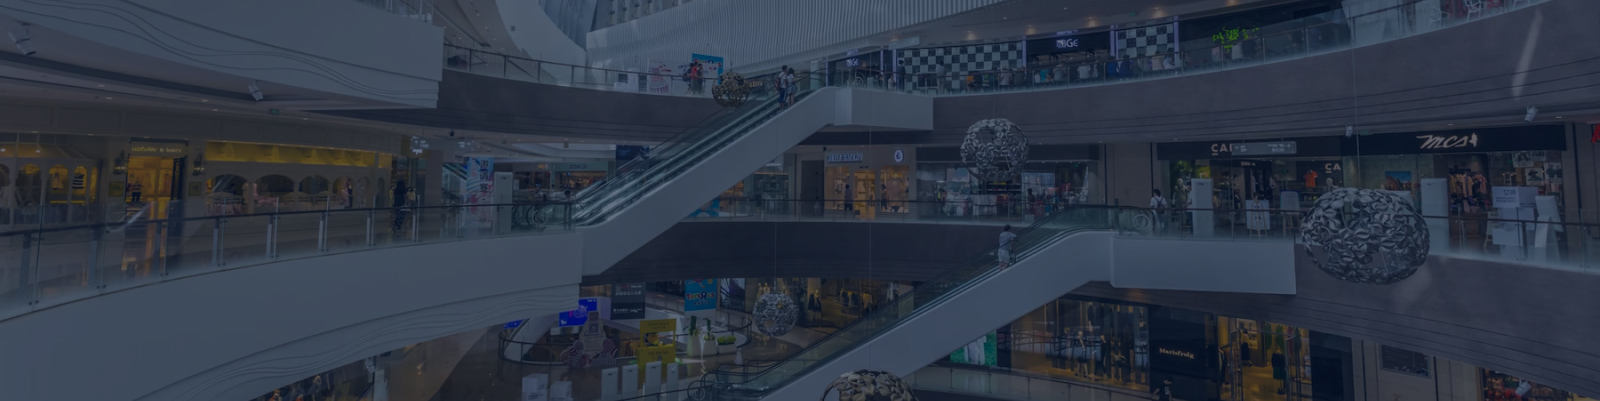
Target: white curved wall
x: 237, y: 334
x: 754, y: 35
x: 341, y: 47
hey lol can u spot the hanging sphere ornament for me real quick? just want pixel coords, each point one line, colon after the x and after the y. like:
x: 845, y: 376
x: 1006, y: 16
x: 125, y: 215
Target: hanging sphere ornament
x: 996, y: 150
x: 870, y: 385
x: 1365, y: 236
x: 733, y: 90
x: 775, y: 314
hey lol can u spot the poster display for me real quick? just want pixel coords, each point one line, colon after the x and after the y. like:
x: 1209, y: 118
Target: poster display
x: 627, y: 301
x: 712, y: 66
x: 478, y: 189
x: 699, y: 294
x: 660, y: 78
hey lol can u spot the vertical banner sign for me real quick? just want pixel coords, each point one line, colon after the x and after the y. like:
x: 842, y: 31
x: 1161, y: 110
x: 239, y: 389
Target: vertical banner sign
x: 627, y: 301
x: 658, y: 343
x: 478, y: 190
x: 699, y: 294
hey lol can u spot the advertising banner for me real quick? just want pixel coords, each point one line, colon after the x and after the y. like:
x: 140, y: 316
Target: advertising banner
x: 478, y: 189
x: 712, y: 65
x: 660, y: 78
x: 1256, y: 216
x: 577, y: 317
x: 699, y: 294
x: 627, y: 301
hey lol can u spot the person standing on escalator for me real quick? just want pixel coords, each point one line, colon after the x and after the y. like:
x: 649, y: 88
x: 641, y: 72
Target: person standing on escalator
x: 1007, y: 239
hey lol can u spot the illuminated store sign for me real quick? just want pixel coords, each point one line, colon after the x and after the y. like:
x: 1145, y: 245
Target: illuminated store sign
x: 853, y: 157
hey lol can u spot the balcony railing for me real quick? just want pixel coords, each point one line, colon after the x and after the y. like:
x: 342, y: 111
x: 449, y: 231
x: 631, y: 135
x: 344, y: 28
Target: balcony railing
x: 54, y: 265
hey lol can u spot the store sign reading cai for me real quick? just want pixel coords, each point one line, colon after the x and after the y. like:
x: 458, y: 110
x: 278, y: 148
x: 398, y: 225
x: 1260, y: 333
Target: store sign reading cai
x: 1254, y: 149
x: 1448, y: 142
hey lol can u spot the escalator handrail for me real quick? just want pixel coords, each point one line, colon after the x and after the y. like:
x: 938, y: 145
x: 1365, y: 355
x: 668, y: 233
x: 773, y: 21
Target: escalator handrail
x: 937, y: 300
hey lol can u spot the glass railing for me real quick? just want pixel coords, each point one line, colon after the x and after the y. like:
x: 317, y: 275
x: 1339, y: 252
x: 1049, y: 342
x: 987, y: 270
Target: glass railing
x: 494, y: 64
x: 1013, y: 385
x: 420, y: 10
x: 1353, y: 26
x: 735, y: 382
x: 49, y: 266
x: 1548, y: 244
x: 964, y: 211
x: 671, y: 158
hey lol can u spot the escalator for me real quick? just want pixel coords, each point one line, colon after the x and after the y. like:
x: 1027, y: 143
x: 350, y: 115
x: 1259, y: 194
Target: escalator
x: 650, y: 194
x: 1051, y: 258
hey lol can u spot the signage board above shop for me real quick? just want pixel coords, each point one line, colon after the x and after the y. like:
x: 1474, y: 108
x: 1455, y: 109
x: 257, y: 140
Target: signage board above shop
x: 1283, y: 148
x: 163, y: 149
x: 1069, y: 43
x: 1481, y: 140
x: 1301, y: 147
x: 846, y: 157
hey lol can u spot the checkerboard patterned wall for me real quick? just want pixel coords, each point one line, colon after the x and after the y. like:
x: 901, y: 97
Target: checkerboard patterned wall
x: 1146, y: 41
x: 960, y: 59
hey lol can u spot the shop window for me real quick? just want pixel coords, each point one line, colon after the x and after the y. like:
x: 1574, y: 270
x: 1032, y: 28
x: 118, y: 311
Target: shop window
x: 30, y: 190
x: 266, y: 153
x: 271, y: 189
x: 225, y: 195
x: 1405, y: 361
x: 7, y: 194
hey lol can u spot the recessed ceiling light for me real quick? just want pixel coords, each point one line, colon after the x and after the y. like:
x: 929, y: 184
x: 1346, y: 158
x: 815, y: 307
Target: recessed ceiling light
x: 213, y: 109
x: 1558, y: 116
x: 204, y: 100
x: 102, y: 86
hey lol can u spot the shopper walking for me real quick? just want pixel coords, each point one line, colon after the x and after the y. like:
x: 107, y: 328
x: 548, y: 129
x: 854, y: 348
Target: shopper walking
x: 399, y: 202
x: 794, y: 88
x: 1158, y: 207
x: 1007, y: 238
x: 849, y: 199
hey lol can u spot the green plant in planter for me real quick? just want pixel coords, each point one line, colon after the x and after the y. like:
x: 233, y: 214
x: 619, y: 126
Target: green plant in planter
x: 727, y: 340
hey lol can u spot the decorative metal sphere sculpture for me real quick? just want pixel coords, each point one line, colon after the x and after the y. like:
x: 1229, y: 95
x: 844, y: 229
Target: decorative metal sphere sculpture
x: 733, y: 90
x: 996, y: 149
x: 775, y: 314
x: 1356, y: 227
x: 870, y: 385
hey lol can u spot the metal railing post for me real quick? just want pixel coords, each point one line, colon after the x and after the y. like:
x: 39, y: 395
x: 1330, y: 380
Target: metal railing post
x: 416, y: 236
x: 161, y: 247
x: 322, y: 233
x: 272, y: 237
x: 216, y: 241
x: 27, y: 273
x: 371, y: 237
x: 96, y: 236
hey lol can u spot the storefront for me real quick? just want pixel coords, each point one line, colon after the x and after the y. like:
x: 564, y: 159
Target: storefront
x: 867, y: 180
x: 1067, y: 52
x: 1291, y: 173
x: 1106, y: 342
x: 1498, y: 386
x: 259, y: 178
x: 860, y: 68
x: 1054, y: 175
x: 1466, y: 165
x: 578, y: 175
x: 43, y: 182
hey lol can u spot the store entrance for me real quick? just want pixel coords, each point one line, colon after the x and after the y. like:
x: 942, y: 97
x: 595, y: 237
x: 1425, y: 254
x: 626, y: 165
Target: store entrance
x: 153, y: 184
x: 1265, y: 362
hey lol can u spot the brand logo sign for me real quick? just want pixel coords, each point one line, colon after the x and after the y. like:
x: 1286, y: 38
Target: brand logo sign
x: 1176, y: 353
x: 855, y: 157
x: 1066, y: 43
x: 1448, y: 142
x: 158, y: 149
x: 899, y: 156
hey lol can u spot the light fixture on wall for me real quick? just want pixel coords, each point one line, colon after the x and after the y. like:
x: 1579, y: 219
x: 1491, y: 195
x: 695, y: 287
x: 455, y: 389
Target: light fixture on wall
x: 255, y: 91
x: 119, y: 165
x: 199, y: 167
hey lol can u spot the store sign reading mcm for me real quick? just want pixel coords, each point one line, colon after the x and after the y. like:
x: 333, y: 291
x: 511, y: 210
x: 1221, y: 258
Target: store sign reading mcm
x: 1448, y: 142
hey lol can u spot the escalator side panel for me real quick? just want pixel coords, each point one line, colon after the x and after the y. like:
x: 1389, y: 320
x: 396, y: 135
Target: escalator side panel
x: 993, y: 302
x: 660, y: 208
